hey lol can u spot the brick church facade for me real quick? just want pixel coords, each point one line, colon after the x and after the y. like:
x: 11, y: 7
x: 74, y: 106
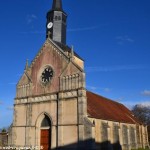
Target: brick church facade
x: 54, y: 110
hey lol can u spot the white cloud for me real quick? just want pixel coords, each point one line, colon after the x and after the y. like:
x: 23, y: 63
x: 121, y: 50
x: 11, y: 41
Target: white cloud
x: 31, y: 18
x: 83, y: 29
x: 131, y: 104
x: 10, y: 108
x: 128, y: 104
x: 106, y: 89
x: 12, y: 83
x: 146, y: 103
x: 87, y: 28
x: 115, y: 68
x: 122, y: 39
x: 146, y: 92
x: 120, y: 99
x: 33, y: 32
x: 93, y: 88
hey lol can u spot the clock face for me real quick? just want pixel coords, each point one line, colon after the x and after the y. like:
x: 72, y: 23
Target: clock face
x: 49, y: 25
x: 47, y: 75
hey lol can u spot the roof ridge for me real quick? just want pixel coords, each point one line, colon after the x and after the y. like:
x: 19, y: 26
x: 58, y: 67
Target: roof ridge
x: 105, y: 98
x: 67, y: 48
x: 48, y: 41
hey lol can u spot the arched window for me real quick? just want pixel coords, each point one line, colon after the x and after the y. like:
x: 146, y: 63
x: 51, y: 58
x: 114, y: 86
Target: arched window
x: 46, y: 122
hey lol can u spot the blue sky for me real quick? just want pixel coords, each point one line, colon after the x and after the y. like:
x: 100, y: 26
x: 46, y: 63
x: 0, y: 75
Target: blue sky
x: 112, y: 36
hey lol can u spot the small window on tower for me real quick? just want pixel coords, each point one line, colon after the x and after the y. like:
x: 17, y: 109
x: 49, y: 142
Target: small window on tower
x: 56, y: 17
x: 59, y: 18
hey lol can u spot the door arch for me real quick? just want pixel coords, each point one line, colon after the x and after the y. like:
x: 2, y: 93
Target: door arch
x: 45, y: 133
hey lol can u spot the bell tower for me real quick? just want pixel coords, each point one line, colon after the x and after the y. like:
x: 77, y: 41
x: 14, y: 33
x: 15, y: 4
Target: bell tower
x: 56, y: 23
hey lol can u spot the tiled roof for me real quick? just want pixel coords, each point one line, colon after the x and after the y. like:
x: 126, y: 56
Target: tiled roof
x: 67, y: 48
x: 102, y: 108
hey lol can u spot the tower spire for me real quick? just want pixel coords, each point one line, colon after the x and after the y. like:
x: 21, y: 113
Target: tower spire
x: 57, y: 5
x: 56, y: 23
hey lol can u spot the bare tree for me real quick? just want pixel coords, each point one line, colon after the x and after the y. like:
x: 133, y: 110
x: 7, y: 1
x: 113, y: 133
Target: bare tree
x: 142, y: 112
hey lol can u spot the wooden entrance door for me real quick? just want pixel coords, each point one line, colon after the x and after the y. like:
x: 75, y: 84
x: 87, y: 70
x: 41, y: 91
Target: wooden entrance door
x: 45, y: 139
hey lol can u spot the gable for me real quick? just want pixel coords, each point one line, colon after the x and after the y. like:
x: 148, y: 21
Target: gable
x: 53, y: 56
x: 25, y: 79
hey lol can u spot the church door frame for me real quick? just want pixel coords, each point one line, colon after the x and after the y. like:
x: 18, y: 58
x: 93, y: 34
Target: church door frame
x: 48, y: 129
x: 38, y: 129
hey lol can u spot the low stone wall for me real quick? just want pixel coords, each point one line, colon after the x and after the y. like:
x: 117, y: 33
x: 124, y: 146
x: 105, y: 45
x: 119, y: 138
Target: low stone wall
x: 3, y: 139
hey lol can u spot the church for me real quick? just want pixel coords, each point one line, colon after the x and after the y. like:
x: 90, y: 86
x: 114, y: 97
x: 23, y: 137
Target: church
x: 53, y: 109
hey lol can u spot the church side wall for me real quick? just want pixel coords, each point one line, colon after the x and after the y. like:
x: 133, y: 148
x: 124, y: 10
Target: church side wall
x: 112, y: 135
x: 144, y: 135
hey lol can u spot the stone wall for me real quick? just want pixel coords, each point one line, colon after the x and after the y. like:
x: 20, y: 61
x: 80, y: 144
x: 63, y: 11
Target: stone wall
x: 66, y: 110
x: 116, y: 135
x: 3, y: 139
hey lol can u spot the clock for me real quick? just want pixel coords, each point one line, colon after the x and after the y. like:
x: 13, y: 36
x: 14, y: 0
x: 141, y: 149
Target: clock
x: 47, y: 75
x: 49, y: 25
